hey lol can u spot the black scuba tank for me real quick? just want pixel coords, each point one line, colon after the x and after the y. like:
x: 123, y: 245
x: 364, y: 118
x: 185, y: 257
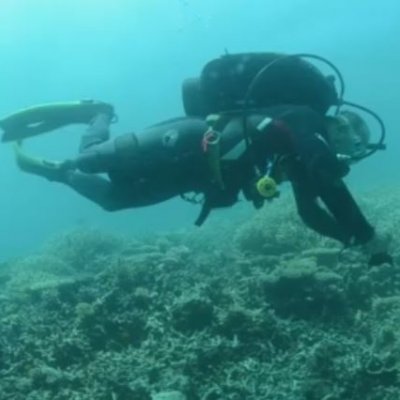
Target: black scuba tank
x: 224, y: 83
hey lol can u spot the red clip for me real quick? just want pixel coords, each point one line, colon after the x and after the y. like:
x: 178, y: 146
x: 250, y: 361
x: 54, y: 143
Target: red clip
x: 206, y: 139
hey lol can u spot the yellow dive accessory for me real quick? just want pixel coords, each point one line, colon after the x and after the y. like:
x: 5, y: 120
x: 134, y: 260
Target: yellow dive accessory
x: 267, y: 187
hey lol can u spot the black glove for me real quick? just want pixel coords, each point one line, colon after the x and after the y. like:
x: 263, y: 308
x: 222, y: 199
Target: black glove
x: 377, y: 249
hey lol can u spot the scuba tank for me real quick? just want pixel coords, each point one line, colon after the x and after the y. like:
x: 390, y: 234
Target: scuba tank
x: 238, y: 83
x: 224, y: 82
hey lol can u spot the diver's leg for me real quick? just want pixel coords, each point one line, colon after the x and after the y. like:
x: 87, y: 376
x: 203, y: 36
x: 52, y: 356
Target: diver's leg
x: 105, y: 156
x: 163, y: 166
x: 111, y: 196
x: 95, y: 152
x: 96, y: 149
x: 93, y: 187
x: 98, y: 190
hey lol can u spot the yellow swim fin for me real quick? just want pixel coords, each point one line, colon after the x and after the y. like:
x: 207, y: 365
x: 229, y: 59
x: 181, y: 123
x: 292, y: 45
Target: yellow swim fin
x: 51, y: 170
x: 36, y: 120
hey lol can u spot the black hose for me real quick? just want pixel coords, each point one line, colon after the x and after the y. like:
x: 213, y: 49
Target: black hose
x: 380, y: 145
x: 263, y: 70
x: 266, y: 68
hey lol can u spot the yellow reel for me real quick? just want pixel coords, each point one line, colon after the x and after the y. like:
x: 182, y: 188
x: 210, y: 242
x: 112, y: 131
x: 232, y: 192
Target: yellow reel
x: 267, y: 187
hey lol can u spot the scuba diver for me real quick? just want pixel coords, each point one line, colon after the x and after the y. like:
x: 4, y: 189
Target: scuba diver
x: 252, y: 121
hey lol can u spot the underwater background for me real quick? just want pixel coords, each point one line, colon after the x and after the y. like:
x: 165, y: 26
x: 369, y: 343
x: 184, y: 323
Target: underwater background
x: 139, y: 304
x: 135, y: 55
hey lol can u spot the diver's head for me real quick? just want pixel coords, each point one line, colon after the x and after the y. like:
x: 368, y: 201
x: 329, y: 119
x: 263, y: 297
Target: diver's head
x: 348, y: 134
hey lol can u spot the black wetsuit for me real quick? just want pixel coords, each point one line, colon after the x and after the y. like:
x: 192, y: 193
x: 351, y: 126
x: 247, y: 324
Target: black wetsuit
x: 167, y: 160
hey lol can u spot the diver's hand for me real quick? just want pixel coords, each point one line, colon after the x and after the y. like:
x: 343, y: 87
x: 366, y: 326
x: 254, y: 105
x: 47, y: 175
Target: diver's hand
x: 378, y: 249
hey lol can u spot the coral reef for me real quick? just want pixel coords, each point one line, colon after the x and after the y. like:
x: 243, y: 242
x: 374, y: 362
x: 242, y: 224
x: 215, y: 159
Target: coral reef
x: 262, y: 309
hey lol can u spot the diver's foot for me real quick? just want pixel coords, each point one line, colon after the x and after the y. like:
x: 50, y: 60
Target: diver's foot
x: 51, y: 170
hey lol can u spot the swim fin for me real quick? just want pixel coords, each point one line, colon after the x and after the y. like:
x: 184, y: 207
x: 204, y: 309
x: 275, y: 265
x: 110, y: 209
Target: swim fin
x: 51, y: 170
x: 36, y: 120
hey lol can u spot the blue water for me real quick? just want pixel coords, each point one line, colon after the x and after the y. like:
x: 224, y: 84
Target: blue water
x: 135, y: 54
